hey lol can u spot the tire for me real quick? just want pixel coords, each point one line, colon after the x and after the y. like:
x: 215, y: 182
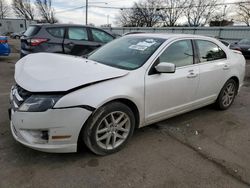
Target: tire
x: 103, y: 135
x: 227, y: 95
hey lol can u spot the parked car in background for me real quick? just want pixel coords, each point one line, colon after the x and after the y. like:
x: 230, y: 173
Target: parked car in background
x: 63, y: 38
x: 227, y: 44
x: 243, y: 46
x: 16, y: 35
x: 133, y: 32
x: 60, y: 102
x: 4, y: 46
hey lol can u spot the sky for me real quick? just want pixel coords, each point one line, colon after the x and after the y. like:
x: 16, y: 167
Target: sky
x: 96, y: 16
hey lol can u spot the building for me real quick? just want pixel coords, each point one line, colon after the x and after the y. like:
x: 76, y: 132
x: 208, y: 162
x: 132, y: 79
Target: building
x: 9, y: 25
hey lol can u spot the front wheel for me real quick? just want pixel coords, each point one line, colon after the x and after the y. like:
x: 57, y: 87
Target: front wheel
x: 109, y: 128
x: 227, y: 95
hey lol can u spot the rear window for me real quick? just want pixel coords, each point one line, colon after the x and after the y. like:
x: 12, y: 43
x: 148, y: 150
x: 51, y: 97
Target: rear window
x: 56, y: 32
x: 31, y: 31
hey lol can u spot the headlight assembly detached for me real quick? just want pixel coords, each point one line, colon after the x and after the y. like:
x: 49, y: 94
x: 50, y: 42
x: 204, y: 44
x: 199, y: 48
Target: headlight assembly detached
x: 39, y: 103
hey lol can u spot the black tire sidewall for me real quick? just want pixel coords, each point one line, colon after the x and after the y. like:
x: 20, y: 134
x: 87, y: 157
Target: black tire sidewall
x: 93, y: 122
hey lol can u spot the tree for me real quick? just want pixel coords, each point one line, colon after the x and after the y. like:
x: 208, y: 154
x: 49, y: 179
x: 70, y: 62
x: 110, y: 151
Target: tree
x: 220, y: 17
x: 142, y: 14
x: 46, y: 11
x: 4, y: 9
x: 244, y: 12
x: 199, y: 12
x: 24, y: 9
x: 173, y: 11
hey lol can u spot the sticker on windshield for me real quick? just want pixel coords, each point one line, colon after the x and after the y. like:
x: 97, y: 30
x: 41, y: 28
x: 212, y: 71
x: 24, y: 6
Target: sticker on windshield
x: 138, y: 47
x: 143, y: 45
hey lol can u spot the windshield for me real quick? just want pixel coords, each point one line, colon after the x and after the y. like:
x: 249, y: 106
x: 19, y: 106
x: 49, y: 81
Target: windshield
x: 245, y: 41
x: 128, y: 53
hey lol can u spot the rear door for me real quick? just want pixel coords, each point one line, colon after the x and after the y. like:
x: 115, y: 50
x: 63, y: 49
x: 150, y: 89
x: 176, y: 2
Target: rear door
x: 214, y: 65
x: 76, y: 41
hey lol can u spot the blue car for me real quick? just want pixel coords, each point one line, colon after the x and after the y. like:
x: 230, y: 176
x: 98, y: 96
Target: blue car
x: 4, y: 46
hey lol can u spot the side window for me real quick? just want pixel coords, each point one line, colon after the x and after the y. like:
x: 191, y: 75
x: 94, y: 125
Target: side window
x: 180, y: 53
x: 56, y: 32
x: 101, y: 36
x: 209, y: 51
x: 77, y: 33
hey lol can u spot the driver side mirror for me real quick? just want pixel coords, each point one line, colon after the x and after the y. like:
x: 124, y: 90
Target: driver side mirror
x: 165, y: 67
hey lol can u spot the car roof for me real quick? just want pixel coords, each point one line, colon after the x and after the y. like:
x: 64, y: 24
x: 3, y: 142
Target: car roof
x: 61, y: 25
x: 170, y: 35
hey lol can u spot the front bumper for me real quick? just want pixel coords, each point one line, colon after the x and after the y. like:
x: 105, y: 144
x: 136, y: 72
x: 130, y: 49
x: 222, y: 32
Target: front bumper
x: 58, y: 122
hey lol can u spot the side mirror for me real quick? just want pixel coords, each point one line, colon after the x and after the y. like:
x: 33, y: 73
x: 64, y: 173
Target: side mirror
x: 164, y: 67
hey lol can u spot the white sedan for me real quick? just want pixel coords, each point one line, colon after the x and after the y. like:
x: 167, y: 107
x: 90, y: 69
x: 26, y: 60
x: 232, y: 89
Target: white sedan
x: 60, y: 102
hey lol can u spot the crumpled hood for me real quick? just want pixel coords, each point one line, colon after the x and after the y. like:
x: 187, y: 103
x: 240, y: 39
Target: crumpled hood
x: 47, y: 72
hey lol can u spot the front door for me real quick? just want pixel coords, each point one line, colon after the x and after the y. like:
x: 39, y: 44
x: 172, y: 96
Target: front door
x: 167, y: 94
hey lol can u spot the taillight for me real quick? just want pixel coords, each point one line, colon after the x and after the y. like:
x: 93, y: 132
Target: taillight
x: 3, y: 41
x: 238, y: 49
x: 37, y: 41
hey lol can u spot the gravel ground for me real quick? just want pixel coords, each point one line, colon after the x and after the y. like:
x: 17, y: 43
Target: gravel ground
x: 203, y: 148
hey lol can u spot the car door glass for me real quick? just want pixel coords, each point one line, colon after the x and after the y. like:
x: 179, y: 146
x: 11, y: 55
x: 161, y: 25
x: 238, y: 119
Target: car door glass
x: 56, y: 32
x: 101, y: 36
x: 77, y: 33
x: 179, y: 53
x: 209, y: 51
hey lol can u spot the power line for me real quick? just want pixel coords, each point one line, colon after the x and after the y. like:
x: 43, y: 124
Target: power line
x: 121, y: 8
x: 180, y: 7
x: 71, y: 9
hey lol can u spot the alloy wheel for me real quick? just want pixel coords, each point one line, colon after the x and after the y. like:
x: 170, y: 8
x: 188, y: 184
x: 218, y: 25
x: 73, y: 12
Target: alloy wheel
x: 113, y: 130
x: 228, y: 94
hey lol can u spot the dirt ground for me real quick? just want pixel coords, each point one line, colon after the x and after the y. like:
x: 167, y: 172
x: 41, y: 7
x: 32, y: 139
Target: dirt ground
x: 203, y: 148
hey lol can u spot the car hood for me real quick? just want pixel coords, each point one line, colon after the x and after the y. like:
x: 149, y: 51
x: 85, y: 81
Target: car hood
x: 47, y: 72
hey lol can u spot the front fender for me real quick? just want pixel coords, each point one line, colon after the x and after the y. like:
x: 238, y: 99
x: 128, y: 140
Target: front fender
x: 130, y: 87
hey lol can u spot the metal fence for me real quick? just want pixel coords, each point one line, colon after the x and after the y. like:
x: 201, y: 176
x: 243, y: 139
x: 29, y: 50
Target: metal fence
x: 231, y: 34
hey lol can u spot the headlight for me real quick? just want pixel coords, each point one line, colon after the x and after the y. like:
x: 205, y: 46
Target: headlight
x: 39, y: 103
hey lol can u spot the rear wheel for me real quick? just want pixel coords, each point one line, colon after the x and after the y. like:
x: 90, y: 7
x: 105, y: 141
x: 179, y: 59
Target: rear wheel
x: 227, y: 95
x: 109, y: 129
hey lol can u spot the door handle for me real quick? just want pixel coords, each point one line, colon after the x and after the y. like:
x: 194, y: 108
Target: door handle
x: 98, y: 45
x: 226, y: 67
x: 192, y: 75
x: 71, y: 44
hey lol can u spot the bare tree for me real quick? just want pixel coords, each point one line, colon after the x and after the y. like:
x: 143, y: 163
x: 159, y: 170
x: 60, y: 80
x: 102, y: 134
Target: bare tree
x: 24, y: 9
x: 4, y: 9
x: 244, y: 12
x: 46, y: 11
x: 142, y: 14
x: 173, y: 11
x: 199, y: 12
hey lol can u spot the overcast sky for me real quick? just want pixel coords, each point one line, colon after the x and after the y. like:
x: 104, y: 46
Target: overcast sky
x: 97, y: 16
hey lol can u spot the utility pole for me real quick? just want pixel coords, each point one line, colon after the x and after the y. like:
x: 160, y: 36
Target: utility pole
x: 86, y: 12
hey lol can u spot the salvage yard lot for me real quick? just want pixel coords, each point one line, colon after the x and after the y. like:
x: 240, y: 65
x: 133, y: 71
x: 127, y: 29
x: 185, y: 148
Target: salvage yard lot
x: 203, y: 148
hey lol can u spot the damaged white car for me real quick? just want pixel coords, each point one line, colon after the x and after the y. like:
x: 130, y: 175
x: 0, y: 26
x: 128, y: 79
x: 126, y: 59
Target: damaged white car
x: 60, y: 102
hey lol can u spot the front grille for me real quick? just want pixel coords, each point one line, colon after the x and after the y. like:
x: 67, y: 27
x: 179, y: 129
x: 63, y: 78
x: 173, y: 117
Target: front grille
x: 19, y: 96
